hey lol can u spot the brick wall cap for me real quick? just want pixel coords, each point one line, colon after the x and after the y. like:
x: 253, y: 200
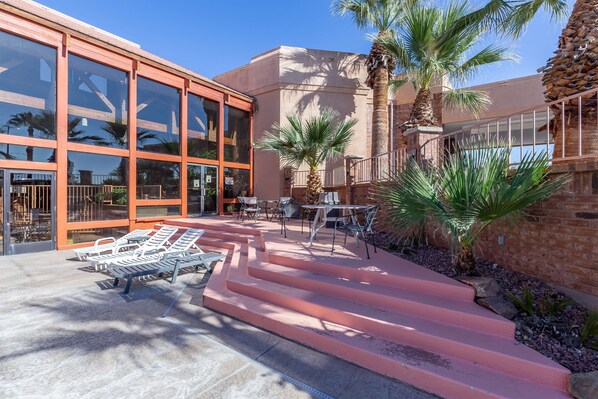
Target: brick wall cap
x: 423, y: 129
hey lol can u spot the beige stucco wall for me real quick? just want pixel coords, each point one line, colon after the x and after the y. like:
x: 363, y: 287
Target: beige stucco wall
x: 296, y: 80
x: 291, y: 79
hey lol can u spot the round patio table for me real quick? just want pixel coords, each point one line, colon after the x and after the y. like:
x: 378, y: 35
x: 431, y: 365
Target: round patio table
x: 322, y: 211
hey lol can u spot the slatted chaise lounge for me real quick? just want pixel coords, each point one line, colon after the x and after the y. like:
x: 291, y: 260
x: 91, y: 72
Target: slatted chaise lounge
x: 110, y: 244
x: 156, y: 243
x: 170, y: 263
x: 180, y: 247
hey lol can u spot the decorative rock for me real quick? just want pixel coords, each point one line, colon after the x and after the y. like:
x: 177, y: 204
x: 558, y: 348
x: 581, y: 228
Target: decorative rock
x: 584, y: 385
x: 484, y: 286
x: 499, y: 304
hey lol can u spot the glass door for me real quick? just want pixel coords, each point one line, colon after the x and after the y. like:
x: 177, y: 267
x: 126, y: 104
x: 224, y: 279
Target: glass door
x: 28, y: 211
x: 202, y: 190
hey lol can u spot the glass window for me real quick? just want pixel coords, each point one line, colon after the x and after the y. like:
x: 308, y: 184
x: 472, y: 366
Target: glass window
x: 158, y: 211
x: 90, y: 235
x: 157, y: 179
x: 97, y: 187
x: 27, y: 153
x: 157, y: 117
x: 98, y: 104
x: 236, y: 135
x: 202, y: 127
x: 236, y: 182
x: 28, y: 86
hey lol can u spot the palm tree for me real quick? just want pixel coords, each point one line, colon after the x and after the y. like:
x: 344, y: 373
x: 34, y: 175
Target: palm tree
x: 432, y: 48
x: 572, y: 70
x: 465, y: 195
x: 382, y: 15
x: 313, y: 141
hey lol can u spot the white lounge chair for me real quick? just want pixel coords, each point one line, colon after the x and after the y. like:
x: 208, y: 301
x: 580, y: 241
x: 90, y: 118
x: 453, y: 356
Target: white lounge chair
x: 167, y: 264
x: 110, y: 244
x: 157, y: 242
x: 180, y: 248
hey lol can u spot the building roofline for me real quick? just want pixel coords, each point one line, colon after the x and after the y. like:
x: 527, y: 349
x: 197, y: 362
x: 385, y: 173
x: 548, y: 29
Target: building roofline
x: 56, y: 20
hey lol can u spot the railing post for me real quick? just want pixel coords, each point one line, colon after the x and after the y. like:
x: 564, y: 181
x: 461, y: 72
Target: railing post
x: 350, y: 176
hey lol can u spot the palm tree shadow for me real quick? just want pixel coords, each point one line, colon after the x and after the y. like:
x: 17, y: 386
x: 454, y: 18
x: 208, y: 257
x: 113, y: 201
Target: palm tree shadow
x: 327, y: 74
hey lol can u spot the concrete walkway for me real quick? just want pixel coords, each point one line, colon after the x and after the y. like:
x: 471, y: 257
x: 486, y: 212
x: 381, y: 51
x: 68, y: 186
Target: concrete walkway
x: 65, y: 332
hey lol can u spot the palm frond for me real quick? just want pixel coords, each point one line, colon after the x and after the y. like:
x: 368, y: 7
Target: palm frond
x: 473, y: 101
x: 522, y: 13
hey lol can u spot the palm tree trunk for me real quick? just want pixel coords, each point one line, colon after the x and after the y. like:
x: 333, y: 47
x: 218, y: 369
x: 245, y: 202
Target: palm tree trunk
x: 463, y: 260
x: 29, y: 149
x: 314, y: 187
x: 380, y: 113
x: 572, y: 70
x: 422, y: 112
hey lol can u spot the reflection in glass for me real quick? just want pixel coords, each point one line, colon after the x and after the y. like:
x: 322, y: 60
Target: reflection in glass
x: 157, y: 179
x: 202, y: 128
x: 26, y: 153
x: 97, y: 187
x: 158, y: 211
x: 98, y: 98
x: 236, y: 182
x: 236, y: 135
x: 202, y: 190
x: 157, y: 117
x: 28, y: 84
x: 90, y: 235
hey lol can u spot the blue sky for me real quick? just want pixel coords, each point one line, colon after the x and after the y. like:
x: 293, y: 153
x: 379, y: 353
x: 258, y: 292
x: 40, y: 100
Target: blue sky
x: 214, y: 36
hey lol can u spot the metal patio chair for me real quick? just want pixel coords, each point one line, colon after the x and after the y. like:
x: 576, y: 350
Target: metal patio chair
x: 250, y: 207
x: 361, y: 223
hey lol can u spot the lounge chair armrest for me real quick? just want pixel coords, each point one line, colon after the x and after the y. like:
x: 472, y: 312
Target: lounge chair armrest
x: 130, y: 247
x: 173, y: 254
x: 99, y: 240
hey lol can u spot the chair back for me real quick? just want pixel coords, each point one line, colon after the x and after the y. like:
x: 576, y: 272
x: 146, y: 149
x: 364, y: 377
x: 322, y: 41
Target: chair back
x: 250, y: 202
x: 329, y: 198
x: 186, y: 240
x: 283, y: 205
x: 160, y: 237
x: 370, y: 216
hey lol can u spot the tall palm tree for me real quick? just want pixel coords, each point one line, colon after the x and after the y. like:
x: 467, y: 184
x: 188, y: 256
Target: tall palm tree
x: 313, y: 141
x: 382, y: 15
x: 572, y: 70
x: 432, y: 48
x: 465, y: 195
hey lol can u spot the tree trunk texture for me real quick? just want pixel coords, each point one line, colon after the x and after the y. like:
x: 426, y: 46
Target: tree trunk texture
x: 464, y: 261
x: 422, y: 113
x: 314, y: 187
x: 572, y: 70
x: 380, y: 65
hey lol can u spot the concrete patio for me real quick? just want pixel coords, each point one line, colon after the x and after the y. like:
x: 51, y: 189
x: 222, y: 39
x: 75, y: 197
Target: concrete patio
x: 66, y: 333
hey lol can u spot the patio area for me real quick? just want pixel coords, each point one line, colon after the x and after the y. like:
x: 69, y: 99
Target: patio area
x: 67, y: 333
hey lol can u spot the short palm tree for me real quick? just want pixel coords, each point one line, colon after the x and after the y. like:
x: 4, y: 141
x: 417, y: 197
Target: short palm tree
x: 432, y: 48
x: 312, y: 141
x: 382, y: 15
x: 465, y: 195
x: 28, y: 119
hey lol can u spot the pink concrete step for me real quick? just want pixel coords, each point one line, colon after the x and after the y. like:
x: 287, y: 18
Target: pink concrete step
x: 446, y: 310
x: 500, y: 353
x: 442, y: 375
x: 445, y: 288
x: 444, y: 359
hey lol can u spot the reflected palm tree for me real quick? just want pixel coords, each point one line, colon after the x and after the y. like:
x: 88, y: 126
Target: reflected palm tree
x: 25, y: 119
x: 118, y: 133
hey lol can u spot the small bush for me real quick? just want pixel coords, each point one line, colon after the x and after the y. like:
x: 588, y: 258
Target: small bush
x: 550, y: 307
x: 525, y: 302
x: 589, y: 333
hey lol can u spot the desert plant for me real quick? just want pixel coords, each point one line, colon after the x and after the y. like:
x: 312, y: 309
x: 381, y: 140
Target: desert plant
x: 550, y: 306
x: 589, y: 334
x: 525, y: 302
x: 465, y: 194
x: 313, y: 141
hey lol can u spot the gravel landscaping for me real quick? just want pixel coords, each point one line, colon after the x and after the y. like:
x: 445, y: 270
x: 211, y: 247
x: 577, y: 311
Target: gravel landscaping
x: 555, y: 325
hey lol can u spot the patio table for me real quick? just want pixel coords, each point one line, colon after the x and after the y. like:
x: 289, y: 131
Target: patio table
x: 322, y: 215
